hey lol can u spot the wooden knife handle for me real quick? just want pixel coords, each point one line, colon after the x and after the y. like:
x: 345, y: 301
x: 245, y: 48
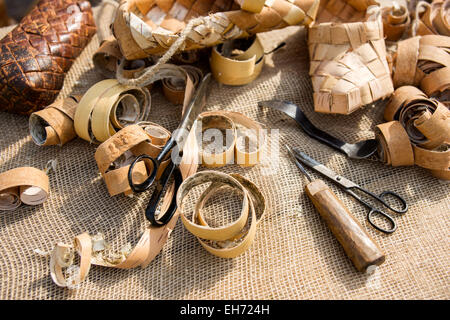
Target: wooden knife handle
x: 358, y: 245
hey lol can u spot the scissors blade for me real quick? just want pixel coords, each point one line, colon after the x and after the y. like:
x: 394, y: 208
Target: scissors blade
x: 194, y: 108
x: 320, y: 168
x: 297, y: 163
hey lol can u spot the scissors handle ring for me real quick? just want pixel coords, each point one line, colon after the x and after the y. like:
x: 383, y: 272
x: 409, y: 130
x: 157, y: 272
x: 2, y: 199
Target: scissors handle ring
x: 404, y: 207
x: 157, y: 194
x: 141, y: 187
x: 380, y: 198
x: 374, y: 211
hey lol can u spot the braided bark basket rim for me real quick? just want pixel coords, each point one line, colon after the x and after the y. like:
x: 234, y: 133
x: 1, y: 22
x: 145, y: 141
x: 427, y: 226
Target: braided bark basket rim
x: 159, y: 42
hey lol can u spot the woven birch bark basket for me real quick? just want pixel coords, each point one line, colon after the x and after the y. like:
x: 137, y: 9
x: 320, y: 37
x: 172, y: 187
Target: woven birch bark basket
x: 348, y: 56
x: 149, y: 27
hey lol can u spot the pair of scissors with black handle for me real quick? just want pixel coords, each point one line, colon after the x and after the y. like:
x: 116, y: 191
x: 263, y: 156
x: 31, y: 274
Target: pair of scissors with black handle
x: 178, y: 140
x: 350, y: 187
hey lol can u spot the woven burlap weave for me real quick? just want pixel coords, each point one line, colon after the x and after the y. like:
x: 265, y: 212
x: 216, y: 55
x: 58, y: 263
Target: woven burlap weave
x: 294, y: 255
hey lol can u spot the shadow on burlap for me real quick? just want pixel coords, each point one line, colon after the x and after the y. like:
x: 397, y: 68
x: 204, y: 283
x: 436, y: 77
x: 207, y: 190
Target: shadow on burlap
x: 294, y: 255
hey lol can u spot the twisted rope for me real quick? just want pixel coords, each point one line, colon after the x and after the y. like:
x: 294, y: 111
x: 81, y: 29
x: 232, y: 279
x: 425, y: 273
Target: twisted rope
x: 152, y: 74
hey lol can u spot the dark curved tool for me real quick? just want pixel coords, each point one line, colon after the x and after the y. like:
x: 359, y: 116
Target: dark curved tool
x: 176, y: 141
x: 360, y: 150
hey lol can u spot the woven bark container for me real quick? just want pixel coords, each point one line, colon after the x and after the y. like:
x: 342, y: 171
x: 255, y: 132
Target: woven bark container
x: 148, y: 27
x: 348, y: 56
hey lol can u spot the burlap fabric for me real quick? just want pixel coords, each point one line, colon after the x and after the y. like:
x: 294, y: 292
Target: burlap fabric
x: 294, y: 255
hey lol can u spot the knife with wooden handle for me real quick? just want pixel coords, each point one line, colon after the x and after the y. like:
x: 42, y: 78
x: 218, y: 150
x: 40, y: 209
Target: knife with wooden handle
x: 365, y: 254
x: 362, y: 250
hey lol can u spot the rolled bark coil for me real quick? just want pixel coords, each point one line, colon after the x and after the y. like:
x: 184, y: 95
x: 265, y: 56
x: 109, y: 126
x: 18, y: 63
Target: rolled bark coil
x: 54, y: 124
x: 108, y: 107
x: 240, y: 68
x: 425, y: 123
x: 424, y: 62
x: 235, y: 238
x: 396, y: 21
x: 23, y: 185
x: 174, y: 88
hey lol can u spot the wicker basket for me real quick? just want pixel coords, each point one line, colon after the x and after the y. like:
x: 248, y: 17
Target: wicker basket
x: 348, y: 56
x: 148, y: 27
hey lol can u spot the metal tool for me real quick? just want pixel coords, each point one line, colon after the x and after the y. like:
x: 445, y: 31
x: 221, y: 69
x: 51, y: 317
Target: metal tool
x: 350, y: 187
x: 360, y: 150
x: 190, y: 115
x: 362, y: 250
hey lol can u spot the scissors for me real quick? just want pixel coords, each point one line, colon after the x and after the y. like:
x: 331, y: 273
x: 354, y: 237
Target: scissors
x: 350, y: 187
x: 190, y: 115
